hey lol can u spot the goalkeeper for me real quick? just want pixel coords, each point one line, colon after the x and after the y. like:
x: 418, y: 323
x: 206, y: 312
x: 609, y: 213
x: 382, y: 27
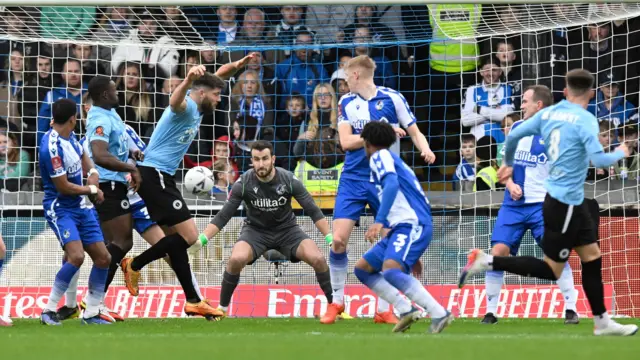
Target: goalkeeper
x: 270, y: 223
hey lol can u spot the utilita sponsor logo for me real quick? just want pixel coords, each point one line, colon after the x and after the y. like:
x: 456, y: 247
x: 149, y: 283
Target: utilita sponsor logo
x: 306, y: 301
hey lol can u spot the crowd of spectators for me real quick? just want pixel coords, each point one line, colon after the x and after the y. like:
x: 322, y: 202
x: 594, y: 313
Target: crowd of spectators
x: 290, y: 93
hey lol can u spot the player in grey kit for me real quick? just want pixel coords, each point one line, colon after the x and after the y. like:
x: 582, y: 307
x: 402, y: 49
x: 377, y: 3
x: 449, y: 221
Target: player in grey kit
x: 270, y: 223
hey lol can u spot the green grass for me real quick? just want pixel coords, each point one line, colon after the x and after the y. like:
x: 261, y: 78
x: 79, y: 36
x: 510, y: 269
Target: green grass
x: 304, y: 339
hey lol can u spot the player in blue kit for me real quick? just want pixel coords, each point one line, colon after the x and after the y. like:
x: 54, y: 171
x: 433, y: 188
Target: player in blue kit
x: 366, y: 102
x: 570, y: 135
x: 199, y: 93
x: 404, y: 209
x: 62, y: 160
x: 522, y: 208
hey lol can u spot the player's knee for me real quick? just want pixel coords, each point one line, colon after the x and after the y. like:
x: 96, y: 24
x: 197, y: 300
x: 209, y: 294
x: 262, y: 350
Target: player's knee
x: 103, y: 260
x: 75, y: 258
x: 236, y: 263
x: 363, y: 264
x: 318, y: 263
x: 391, y: 264
x: 500, y: 250
x: 339, y: 244
x: 126, y: 246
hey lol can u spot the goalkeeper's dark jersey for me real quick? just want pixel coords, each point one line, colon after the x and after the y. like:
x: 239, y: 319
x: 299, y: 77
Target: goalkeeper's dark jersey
x: 268, y: 205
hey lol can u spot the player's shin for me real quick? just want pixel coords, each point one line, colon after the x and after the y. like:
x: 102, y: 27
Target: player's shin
x: 414, y: 290
x: 566, y: 285
x: 493, y: 286
x: 71, y: 295
x: 180, y: 263
x: 379, y: 285
x: 60, y: 285
x: 324, y: 280
x: 155, y: 252
x: 117, y: 254
x: 522, y: 265
x: 229, y: 283
x: 594, y: 290
x: 338, y: 267
x: 195, y: 285
x: 97, y: 281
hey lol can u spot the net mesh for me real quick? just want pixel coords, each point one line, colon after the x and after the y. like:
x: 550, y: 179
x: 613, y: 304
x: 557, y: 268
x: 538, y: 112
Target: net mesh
x: 432, y: 54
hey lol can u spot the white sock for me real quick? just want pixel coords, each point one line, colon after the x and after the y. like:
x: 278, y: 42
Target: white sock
x: 71, y: 295
x: 601, y: 321
x: 383, y: 305
x: 195, y: 285
x: 391, y: 295
x: 566, y: 285
x: 488, y: 262
x: 338, y: 268
x: 493, y: 285
x: 93, y: 301
x: 422, y: 297
x: 54, y: 298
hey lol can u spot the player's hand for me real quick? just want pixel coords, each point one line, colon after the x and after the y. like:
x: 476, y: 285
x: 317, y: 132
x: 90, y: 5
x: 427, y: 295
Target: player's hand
x: 245, y: 60
x: 196, y: 72
x: 97, y: 198
x: 400, y: 132
x: 136, y: 180
x: 137, y: 155
x: 624, y: 148
x: 417, y: 269
x: 373, y: 232
x: 504, y: 173
x: 428, y: 156
x: 94, y: 179
x: 515, y: 190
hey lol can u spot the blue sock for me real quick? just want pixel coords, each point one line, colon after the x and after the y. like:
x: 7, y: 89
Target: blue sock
x: 97, y: 280
x: 60, y: 285
x: 377, y: 283
x: 398, y: 279
x: 338, y: 268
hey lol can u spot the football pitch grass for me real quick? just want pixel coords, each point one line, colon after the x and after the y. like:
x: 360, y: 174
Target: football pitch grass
x: 307, y: 339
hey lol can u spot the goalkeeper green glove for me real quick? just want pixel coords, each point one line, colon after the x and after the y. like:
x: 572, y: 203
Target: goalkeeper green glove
x: 329, y: 239
x: 199, y: 244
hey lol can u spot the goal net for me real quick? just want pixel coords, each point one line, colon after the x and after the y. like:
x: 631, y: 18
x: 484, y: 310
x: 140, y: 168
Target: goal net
x: 432, y: 54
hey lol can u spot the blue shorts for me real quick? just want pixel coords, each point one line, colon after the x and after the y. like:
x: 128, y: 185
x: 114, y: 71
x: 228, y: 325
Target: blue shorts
x: 405, y: 244
x: 352, y: 198
x: 141, y: 219
x: 74, y: 224
x: 514, y: 221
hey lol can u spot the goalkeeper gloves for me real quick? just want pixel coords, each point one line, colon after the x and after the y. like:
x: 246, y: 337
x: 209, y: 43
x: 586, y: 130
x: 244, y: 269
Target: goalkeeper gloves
x: 329, y: 239
x: 199, y: 244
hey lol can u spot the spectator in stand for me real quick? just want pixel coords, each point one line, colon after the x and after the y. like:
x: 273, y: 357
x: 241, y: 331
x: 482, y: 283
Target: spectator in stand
x: 609, y: 104
x: 14, y: 162
x: 77, y: 21
x: 248, y: 99
x: 299, y: 73
x: 466, y: 171
x: 223, y: 176
x: 506, y: 125
x: 605, y: 134
x: 511, y: 71
x: 339, y: 83
x: 628, y: 168
x: 208, y: 58
x: 384, y: 75
x: 162, y: 60
x: 486, y: 167
x: 289, y: 124
x: 137, y: 108
x: 486, y: 104
x: 244, y: 134
x: 223, y: 150
x: 191, y: 59
x: 87, y: 56
x: 327, y: 21
x: 287, y: 31
x: 253, y: 29
x: 115, y: 24
x: 228, y: 26
x: 71, y: 88
x: 369, y: 17
x: 266, y: 76
x: 32, y: 96
x: 162, y: 98
x: 321, y: 129
x: 600, y: 53
x: 18, y: 69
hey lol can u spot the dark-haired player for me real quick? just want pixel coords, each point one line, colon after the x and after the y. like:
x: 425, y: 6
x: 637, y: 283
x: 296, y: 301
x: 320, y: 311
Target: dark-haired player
x: 62, y: 160
x: 270, y: 223
x: 405, y: 210
x: 570, y: 135
x: 199, y: 93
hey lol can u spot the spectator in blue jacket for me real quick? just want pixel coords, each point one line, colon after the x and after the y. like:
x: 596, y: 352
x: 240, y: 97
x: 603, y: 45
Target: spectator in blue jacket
x: 609, y: 104
x: 300, y: 72
x: 384, y: 75
x: 72, y: 88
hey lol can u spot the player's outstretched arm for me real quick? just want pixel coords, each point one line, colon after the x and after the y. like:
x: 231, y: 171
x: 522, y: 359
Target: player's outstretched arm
x: 348, y: 140
x: 310, y: 207
x: 529, y: 127
x: 226, y: 213
x: 601, y: 159
x: 420, y: 141
x: 228, y: 70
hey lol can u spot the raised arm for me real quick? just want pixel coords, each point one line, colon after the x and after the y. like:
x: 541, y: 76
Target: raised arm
x: 310, y: 207
x: 407, y: 120
x: 177, y: 101
x: 228, y: 70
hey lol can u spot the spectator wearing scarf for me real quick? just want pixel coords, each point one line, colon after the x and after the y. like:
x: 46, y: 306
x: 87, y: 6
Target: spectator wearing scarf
x: 248, y: 100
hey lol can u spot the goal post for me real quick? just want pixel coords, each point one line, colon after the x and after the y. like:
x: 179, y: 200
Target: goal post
x: 290, y: 95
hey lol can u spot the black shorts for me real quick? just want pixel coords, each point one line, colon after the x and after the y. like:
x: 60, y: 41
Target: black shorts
x: 163, y: 199
x: 116, y: 202
x: 567, y: 227
x: 285, y: 241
